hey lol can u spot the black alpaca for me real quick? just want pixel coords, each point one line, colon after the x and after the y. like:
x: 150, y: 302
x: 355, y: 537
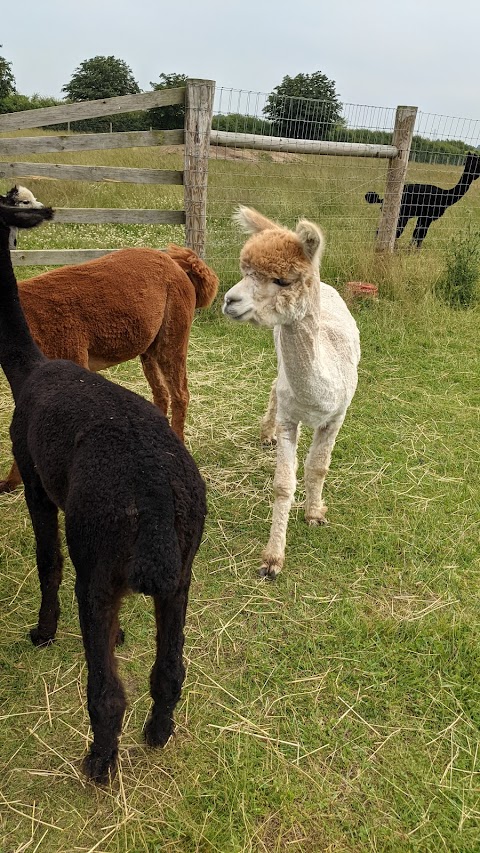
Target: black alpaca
x: 134, y: 505
x: 429, y: 202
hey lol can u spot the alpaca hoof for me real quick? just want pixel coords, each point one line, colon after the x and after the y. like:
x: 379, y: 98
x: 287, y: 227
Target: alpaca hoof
x: 316, y: 522
x: 157, y: 733
x: 270, y: 571
x: 100, y: 768
x: 39, y: 639
x: 6, y: 487
x: 317, y: 519
x: 120, y: 638
x: 269, y: 440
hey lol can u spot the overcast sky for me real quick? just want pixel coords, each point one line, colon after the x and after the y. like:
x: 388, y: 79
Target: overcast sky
x: 419, y: 52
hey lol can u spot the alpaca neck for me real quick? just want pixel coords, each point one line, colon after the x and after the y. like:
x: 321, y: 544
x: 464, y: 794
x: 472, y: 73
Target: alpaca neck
x: 461, y: 188
x: 300, y: 340
x: 18, y: 352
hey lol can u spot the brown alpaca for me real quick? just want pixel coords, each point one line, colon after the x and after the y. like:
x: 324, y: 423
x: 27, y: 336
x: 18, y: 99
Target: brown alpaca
x: 128, y: 303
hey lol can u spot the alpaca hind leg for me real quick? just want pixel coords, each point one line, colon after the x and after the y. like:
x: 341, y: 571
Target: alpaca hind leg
x: 268, y: 427
x: 172, y: 363
x: 98, y: 611
x: 155, y: 379
x: 44, y: 515
x: 168, y: 673
x: 317, y: 464
x: 284, y: 484
x: 12, y: 480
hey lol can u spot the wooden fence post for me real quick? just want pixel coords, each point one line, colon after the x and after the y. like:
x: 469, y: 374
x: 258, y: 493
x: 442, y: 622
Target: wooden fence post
x: 397, y: 169
x: 198, y: 122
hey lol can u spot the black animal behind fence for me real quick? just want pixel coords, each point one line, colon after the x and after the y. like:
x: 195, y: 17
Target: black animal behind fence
x: 134, y: 505
x: 428, y: 202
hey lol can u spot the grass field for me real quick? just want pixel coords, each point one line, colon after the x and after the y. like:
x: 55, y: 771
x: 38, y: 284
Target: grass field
x: 337, y: 709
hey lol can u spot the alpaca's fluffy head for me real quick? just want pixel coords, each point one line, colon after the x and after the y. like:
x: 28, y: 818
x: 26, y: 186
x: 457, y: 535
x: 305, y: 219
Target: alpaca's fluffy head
x: 20, y: 197
x: 278, y: 267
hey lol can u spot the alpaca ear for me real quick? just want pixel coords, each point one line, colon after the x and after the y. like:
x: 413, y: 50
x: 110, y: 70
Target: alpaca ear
x: 311, y: 238
x: 252, y: 221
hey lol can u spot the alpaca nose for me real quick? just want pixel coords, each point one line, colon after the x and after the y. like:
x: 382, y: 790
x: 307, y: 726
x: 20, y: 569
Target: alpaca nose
x: 229, y: 299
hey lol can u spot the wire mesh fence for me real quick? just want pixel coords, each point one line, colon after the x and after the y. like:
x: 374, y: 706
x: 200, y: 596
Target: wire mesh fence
x: 330, y: 190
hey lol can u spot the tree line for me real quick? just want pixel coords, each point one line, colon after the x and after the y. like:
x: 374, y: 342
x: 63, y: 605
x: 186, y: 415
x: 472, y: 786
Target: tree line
x: 306, y: 106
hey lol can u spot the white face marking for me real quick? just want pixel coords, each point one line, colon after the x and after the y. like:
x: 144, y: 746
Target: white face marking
x: 25, y: 198
x: 258, y: 301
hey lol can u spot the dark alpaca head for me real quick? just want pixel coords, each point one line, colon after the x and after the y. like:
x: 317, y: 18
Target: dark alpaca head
x: 373, y: 198
x: 472, y: 165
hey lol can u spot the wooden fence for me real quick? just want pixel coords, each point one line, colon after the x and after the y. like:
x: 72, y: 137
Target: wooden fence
x: 197, y: 96
x: 196, y: 135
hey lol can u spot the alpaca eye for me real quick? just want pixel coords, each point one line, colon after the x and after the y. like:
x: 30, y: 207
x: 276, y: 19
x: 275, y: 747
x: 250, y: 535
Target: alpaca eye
x: 281, y: 282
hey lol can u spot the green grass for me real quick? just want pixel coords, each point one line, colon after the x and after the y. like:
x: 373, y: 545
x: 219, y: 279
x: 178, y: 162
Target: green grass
x: 337, y: 709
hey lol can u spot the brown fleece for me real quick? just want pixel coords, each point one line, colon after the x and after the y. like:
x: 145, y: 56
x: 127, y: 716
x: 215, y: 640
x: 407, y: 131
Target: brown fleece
x: 134, y: 302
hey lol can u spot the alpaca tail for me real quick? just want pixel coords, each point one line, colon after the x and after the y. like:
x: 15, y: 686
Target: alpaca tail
x: 202, y: 277
x: 373, y: 198
x: 156, y: 564
x: 24, y: 217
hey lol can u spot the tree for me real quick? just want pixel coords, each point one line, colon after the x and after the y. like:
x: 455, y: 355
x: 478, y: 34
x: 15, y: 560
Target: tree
x: 304, y: 107
x: 7, y: 80
x: 18, y: 103
x: 172, y: 117
x: 101, y: 77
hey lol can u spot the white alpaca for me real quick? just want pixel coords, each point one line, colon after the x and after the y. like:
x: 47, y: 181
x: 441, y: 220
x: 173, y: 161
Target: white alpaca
x: 318, y: 350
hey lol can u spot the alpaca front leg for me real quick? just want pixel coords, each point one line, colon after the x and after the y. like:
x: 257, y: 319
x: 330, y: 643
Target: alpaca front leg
x: 284, y: 484
x: 168, y: 673
x: 401, y: 224
x: 317, y: 464
x: 420, y: 231
x: 268, y: 429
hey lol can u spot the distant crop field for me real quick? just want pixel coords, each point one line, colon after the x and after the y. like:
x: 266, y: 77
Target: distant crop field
x: 338, y: 708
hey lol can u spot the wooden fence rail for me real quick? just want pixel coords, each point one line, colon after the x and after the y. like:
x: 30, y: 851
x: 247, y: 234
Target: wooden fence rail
x: 90, y: 141
x: 47, y: 116
x: 301, y: 146
x: 121, y: 174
